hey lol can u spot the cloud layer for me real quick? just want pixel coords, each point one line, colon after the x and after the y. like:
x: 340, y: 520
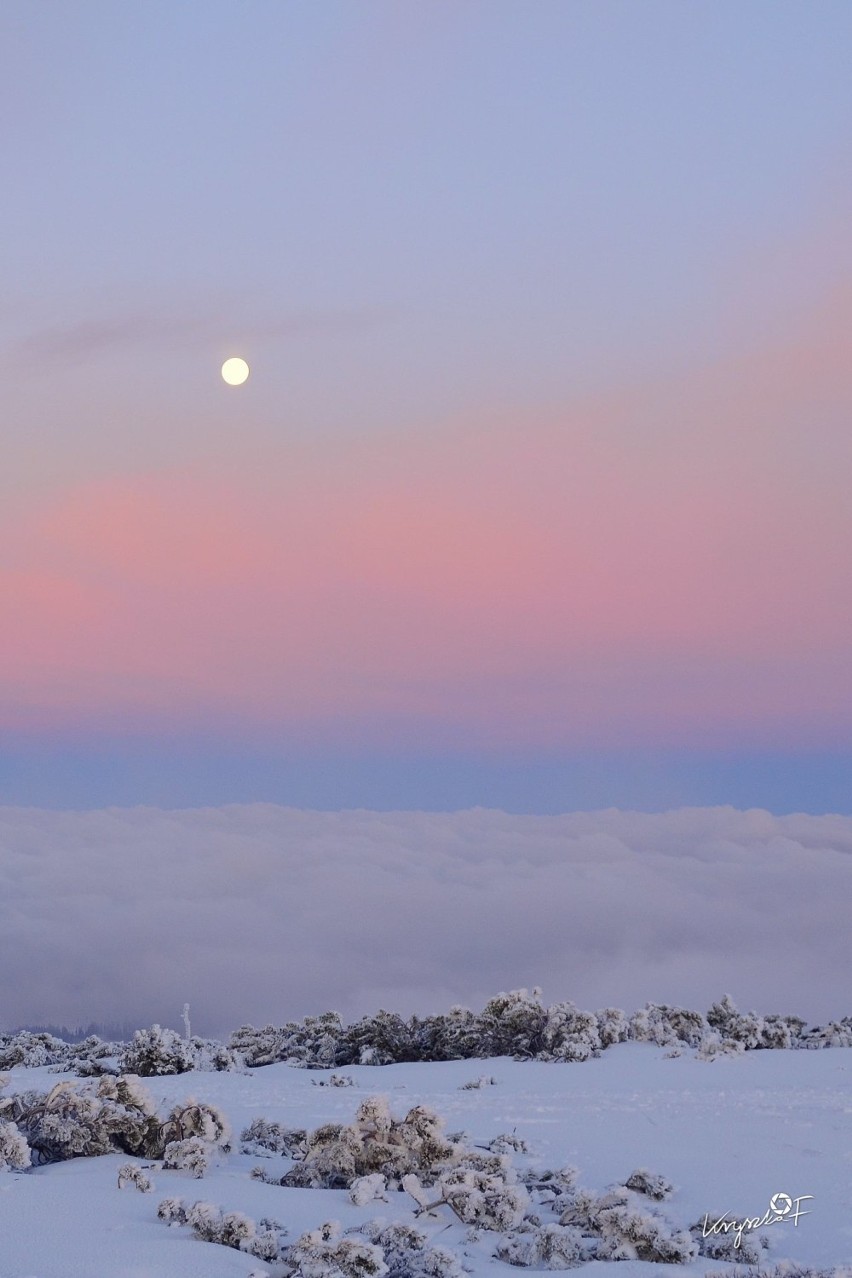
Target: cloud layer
x: 266, y: 913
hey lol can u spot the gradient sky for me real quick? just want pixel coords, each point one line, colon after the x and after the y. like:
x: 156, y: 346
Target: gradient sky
x: 538, y: 495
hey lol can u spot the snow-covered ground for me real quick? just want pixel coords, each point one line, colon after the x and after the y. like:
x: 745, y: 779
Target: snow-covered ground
x: 729, y: 1134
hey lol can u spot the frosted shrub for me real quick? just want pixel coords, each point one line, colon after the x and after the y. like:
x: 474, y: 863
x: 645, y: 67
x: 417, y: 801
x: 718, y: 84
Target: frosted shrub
x: 378, y: 1040
x: 516, y: 1024
x: 613, y: 1026
x: 551, y: 1188
x: 545, y: 1247
x: 452, y: 1036
x: 133, y: 1174
x: 323, y: 1253
x: 752, y: 1031
x: 336, y: 1155
x: 205, y: 1220
x: 484, y: 1080
x: 266, y: 1138
x: 785, y: 1269
x: 157, y: 1051
x: 508, y: 1142
x: 229, y: 1229
x: 336, y: 1080
x: 207, y: 1054
x: 723, y: 1246
x: 115, y: 1114
x: 653, y: 1186
x: 81, y: 1120
x: 31, y: 1049
x: 197, y: 1118
x: 14, y: 1150
x: 834, y: 1034
x: 570, y: 1034
x: 406, y: 1253
x: 258, y: 1046
x: 172, y: 1211
x: 487, y: 1200
x: 778, y: 1032
x: 192, y: 1155
x: 316, y: 1041
x: 93, y: 1057
x: 664, y: 1025
x: 627, y: 1232
x: 513, y: 1024
x: 366, y: 1189
x: 714, y: 1046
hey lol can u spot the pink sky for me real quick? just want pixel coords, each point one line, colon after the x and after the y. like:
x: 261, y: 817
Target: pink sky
x: 666, y: 563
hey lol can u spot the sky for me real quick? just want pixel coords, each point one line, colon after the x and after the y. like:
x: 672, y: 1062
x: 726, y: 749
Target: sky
x: 537, y: 497
x: 262, y: 914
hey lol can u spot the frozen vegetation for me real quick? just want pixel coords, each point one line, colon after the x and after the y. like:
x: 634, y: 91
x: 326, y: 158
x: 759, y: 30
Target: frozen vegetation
x: 517, y: 1024
x: 676, y: 1138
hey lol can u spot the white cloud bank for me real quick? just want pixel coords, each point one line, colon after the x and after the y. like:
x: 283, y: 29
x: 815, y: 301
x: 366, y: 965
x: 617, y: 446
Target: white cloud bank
x: 265, y: 913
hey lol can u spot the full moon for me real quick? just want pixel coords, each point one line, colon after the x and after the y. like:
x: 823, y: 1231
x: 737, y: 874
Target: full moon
x: 235, y: 371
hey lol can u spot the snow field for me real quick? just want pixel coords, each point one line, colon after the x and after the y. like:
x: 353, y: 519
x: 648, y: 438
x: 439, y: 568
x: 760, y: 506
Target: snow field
x: 728, y: 1133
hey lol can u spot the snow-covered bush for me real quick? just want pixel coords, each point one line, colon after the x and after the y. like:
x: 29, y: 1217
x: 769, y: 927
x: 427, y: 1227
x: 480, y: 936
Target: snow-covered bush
x: 406, y: 1253
x: 324, y: 1253
x: 258, y: 1046
x: 133, y: 1174
x: 31, y: 1049
x: 550, y: 1188
x: 265, y: 1138
x: 545, y: 1247
x: 785, y: 1269
x: 664, y: 1025
x: 613, y: 1026
x: 14, y: 1150
x: 508, y: 1142
x: 157, y: 1051
x: 626, y: 1232
x: 834, y: 1034
x: 474, y: 1084
x: 208, y: 1054
x: 336, y: 1155
x: 487, y: 1199
x: 93, y: 1057
x: 653, y: 1186
x: 378, y: 1040
x: 115, y: 1114
x: 335, y: 1080
x: 513, y: 1024
x: 81, y: 1120
x: 570, y: 1034
x: 450, y: 1036
x: 229, y: 1229
x: 160, y: 1050
x: 714, y: 1046
x: 192, y: 1154
x: 752, y: 1031
x: 316, y: 1042
x: 197, y: 1118
x: 366, y: 1189
x: 518, y: 1024
x: 210, y: 1224
x: 747, y: 1249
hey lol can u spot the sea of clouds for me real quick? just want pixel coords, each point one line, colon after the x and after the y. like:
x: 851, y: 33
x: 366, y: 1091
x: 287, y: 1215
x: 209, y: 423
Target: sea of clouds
x: 258, y: 913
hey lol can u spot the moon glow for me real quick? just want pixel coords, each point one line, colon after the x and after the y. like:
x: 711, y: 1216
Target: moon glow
x: 235, y: 371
